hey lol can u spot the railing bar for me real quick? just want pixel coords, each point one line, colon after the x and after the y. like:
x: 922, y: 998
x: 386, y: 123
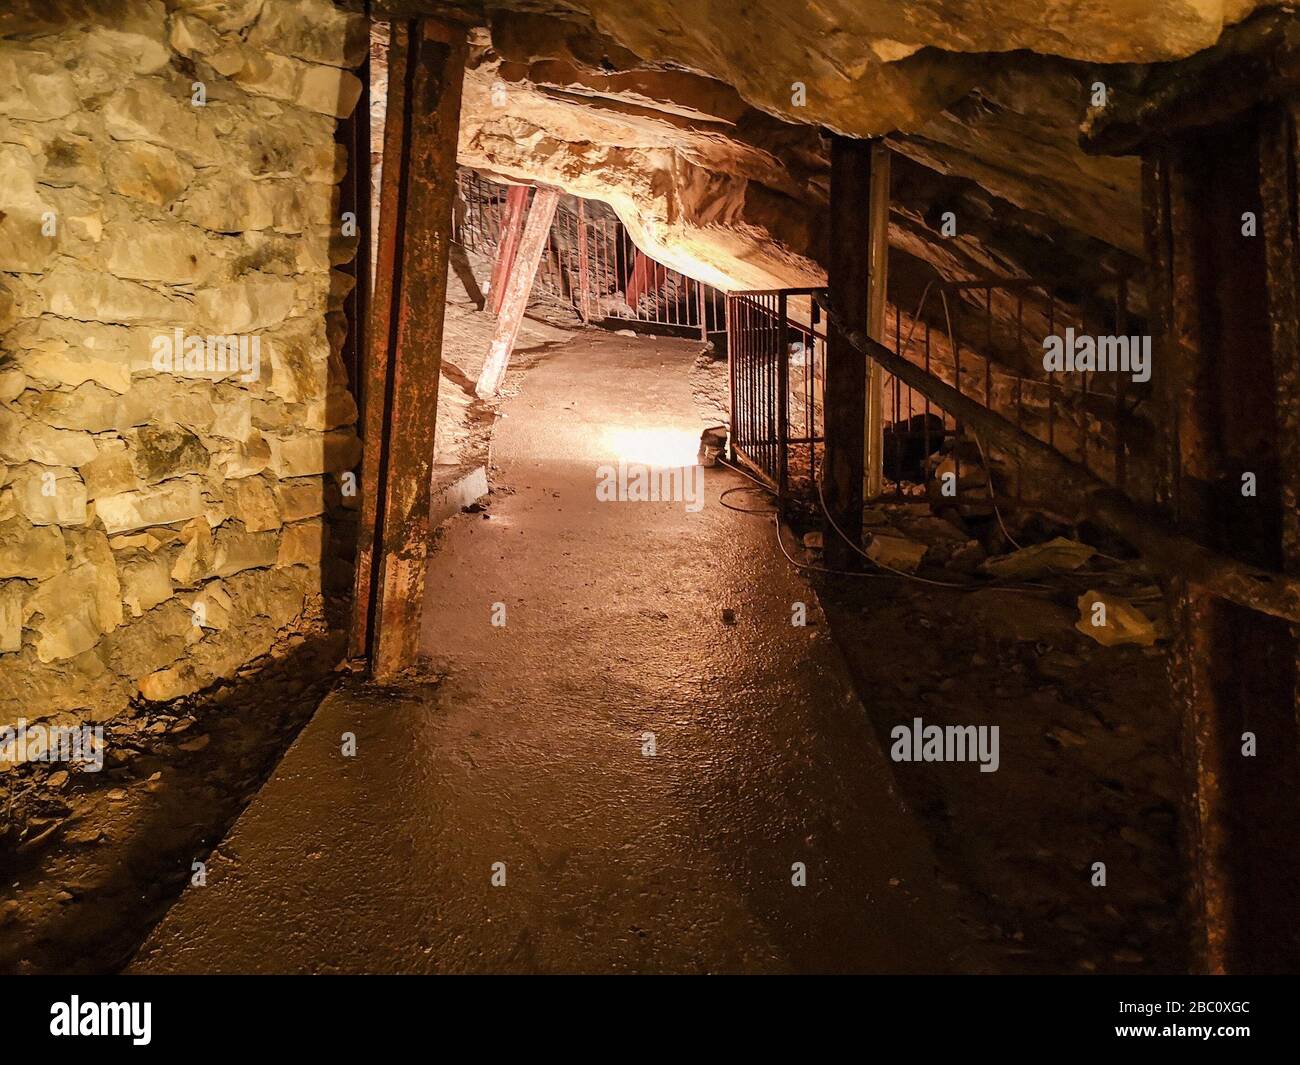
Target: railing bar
x: 1051, y: 389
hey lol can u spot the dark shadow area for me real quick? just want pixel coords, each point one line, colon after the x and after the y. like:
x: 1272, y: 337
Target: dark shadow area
x: 460, y: 263
x: 1088, y: 767
x: 91, y: 861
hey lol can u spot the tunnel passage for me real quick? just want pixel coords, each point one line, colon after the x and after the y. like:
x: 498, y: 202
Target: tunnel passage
x: 285, y: 285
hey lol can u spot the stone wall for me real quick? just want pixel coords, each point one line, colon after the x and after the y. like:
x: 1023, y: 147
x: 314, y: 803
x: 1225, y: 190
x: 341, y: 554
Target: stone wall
x: 168, y: 171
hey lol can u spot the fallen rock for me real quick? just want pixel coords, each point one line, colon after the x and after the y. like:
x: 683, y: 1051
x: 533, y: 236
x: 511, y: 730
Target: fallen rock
x: 1113, y: 621
x: 1059, y: 555
x: 1004, y: 615
x: 896, y: 552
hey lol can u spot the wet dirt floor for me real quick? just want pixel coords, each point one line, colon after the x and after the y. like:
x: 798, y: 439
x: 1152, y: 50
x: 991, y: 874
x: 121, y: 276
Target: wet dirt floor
x: 634, y: 773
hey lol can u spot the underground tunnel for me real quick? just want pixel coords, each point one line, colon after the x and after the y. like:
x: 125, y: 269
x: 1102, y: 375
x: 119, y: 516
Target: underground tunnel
x: 588, y: 487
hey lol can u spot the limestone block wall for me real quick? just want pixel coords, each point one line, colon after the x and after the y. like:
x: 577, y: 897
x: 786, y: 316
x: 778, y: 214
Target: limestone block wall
x: 176, y: 429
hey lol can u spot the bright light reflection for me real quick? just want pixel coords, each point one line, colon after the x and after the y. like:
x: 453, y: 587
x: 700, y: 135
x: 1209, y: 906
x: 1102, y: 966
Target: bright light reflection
x: 665, y: 448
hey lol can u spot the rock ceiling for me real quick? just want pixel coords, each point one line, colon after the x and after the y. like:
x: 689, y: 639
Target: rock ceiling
x: 688, y: 118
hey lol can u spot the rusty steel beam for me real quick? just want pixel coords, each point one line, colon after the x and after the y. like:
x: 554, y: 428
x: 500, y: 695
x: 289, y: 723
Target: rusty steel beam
x: 1231, y: 316
x: 531, y: 246
x: 426, y: 71
x: 374, y: 368
x: 845, y: 409
x: 1280, y: 226
x: 512, y: 227
x: 1255, y: 61
x: 1226, y: 382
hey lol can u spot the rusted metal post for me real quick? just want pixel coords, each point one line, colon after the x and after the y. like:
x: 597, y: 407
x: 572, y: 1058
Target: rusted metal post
x: 512, y: 225
x: 846, y: 367
x: 1230, y: 398
x: 1218, y: 138
x: 515, y: 302
x: 426, y: 70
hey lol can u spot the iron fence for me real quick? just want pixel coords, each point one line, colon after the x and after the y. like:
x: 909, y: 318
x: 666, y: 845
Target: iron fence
x: 591, y: 263
x: 776, y: 360
x: 1085, y: 415
x: 776, y: 354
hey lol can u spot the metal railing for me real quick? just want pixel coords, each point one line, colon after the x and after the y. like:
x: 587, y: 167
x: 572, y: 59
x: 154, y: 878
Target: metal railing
x: 592, y: 264
x: 776, y: 359
x: 776, y: 348
x: 1089, y: 417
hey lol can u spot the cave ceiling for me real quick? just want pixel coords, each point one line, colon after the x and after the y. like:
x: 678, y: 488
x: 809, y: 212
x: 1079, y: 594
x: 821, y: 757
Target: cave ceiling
x: 704, y: 123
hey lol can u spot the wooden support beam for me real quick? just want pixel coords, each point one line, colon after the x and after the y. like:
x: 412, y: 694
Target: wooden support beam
x: 878, y: 288
x: 531, y: 246
x: 846, y: 367
x: 512, y: 228
x: 426, y: 71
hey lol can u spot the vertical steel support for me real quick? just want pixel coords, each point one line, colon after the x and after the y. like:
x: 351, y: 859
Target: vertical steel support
x: 782, y: 398
x: 732, y: 360
x: 584, y: 266
x: 1224, y: 301
x: 426, y: 71
x: 845, y: 410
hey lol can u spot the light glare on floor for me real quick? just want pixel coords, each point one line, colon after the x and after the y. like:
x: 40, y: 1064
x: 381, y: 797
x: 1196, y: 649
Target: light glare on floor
x: 654, y: 447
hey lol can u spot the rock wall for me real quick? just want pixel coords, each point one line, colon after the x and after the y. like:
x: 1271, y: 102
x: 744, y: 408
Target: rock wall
x: 168, y: 180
